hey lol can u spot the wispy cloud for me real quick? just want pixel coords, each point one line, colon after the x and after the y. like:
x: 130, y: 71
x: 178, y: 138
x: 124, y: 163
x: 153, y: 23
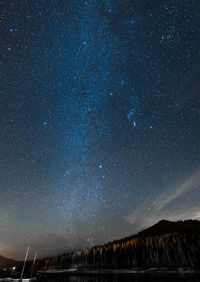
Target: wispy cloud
x: 141, y: 220
x: 178, y: 190
x: 151, y: 212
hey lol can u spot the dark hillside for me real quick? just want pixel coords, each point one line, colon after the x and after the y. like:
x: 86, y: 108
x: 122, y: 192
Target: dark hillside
x: 164, y: 245
x: 7, y: 263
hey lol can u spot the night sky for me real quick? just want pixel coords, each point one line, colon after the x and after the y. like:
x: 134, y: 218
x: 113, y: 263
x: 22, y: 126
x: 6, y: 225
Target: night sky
x: 100, y: 120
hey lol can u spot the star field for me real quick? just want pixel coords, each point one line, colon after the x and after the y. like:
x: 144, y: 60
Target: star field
x: 100, y: 120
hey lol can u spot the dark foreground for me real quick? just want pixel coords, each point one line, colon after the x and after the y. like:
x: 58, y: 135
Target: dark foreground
x: 122, y: 278
x: 163, y: 245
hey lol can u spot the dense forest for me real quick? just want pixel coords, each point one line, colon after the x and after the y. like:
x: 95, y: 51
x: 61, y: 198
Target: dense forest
x: 166, y: 244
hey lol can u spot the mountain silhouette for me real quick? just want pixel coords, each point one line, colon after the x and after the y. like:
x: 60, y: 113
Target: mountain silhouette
x: 164, y: 245
x: 7, y: 263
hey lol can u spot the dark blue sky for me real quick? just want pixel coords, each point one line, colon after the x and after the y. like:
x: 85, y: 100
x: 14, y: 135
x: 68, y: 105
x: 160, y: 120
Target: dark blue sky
x: 100, y: 120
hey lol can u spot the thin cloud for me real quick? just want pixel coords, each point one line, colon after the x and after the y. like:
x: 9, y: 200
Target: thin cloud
x: 166, y: 198
x: 147, y: 215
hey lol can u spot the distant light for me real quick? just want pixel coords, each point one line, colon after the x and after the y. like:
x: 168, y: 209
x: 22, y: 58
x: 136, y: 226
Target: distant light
x: 14, y: 267
x: 100, y: 166
x: 150, y: 126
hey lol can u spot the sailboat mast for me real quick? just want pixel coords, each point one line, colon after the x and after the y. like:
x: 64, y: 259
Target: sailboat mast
x: 34, y: 259
x: 24, y: 262
x: 33, y: 263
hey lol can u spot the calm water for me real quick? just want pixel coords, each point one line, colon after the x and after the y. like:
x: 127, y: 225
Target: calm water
x: 125, y: 278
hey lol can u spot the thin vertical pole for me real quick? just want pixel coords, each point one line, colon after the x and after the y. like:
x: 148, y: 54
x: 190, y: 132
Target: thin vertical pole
x: 33, y: 263
x: 24, y: 262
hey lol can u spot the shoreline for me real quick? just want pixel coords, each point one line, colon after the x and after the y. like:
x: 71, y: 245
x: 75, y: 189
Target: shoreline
x: 120, y: 271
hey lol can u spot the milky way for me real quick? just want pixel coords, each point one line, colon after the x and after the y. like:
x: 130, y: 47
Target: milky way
x: 100, y: 120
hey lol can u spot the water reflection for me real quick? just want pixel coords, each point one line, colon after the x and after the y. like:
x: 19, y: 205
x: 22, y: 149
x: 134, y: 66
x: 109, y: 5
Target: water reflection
x: 124, y: 278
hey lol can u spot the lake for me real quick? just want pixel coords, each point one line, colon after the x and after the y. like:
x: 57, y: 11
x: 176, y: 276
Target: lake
x: 124, y: 278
